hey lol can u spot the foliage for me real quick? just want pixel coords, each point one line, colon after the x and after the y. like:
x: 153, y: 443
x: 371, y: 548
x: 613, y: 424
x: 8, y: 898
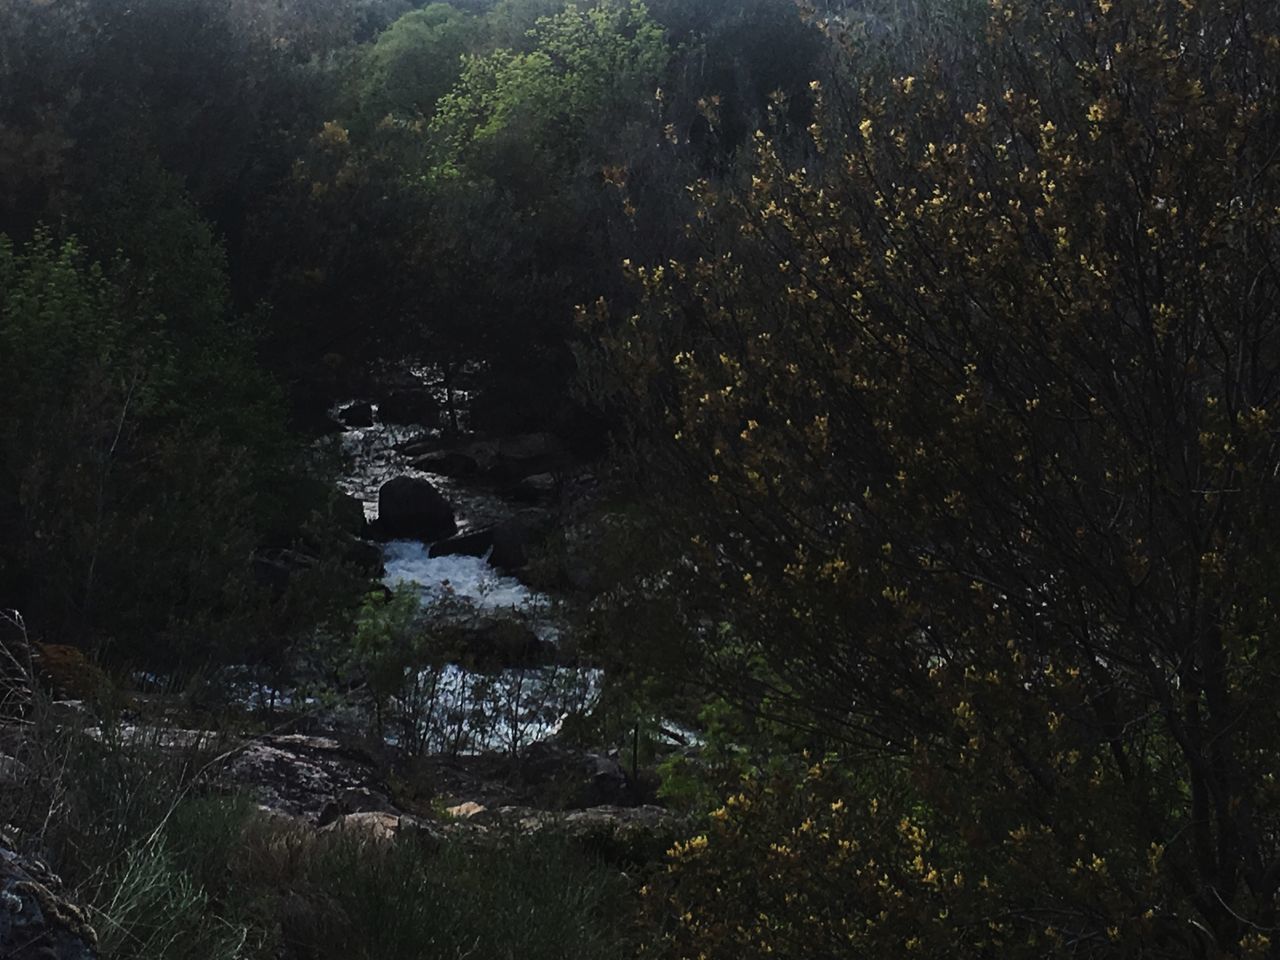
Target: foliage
x: 588, y: 66
x: 415, y: 61
x: 138, y: 450
x: 968, y: 424
x: 823, y: 861
x: 155, y: 911
x: 169, y: 868
x: 83, y: 375
x: 386, y: 649
x: 698, y: 779
x: 145, y: 456
x: 531, y: 899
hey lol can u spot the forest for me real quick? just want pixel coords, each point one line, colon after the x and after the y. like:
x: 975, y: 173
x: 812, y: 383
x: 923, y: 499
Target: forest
x: 603, y: 479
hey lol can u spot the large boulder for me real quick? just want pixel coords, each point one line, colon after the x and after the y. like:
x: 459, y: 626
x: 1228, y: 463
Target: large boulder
x: 500, y: 644
x: 410, y: 508
x: 409, y: 406
x: 468, y: 545
x: 505, y: 460
x: 37, y: 922
x: 514, y: 538
x: 624, y: 835
x: 516, y: 457
x: 315, y: 778
x: 352, y: 801
x: 384, y: 827
x: 417, y: 445
x: 561, y: 776
x: 448, y: 463
x: 537, y: 488
x: 359, y: 414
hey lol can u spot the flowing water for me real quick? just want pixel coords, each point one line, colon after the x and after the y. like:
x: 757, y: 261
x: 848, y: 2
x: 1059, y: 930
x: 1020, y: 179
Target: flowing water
x: 453, y: 709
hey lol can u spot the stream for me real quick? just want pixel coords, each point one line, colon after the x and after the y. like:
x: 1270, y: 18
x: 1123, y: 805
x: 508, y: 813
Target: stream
x: 450, y: 708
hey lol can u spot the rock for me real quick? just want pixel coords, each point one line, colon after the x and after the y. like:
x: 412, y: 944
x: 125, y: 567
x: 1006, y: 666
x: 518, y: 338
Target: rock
x: 411, y: 508
x: 628, y: 834
x: 409, y: 407
x: 524, y: 447
x: 482, y: 778
x: 378, y: 826
x: 37, y: 922
x: 515, y: 457
x: 381, y: 827
x: 468, y: 545
x: 354, y: 800
x: 538, y: 488
x: 648, y: 817
x: 417, y: 446
x: 447, y: 463
x: 513, y: 539
x: 308, y: 777
x: 500, y: 644
x: 465, y: 811
x: 569, y: 778
x: 505, y: 459
x: 359, y: 414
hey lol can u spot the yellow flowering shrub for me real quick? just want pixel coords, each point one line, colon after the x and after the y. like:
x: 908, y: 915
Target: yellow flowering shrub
x: 968, y: 450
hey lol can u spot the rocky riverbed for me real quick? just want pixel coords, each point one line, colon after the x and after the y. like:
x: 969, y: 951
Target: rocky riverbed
x: 458, y: 522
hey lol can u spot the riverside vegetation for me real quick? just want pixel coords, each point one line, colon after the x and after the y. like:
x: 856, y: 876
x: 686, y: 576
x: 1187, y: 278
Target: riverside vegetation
x: 874, y: 400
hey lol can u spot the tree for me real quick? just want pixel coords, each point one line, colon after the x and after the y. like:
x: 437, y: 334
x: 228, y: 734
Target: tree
x: 965, y: 419
x: 522, y: 146
x: 414, y: 62
x: 141, y: 445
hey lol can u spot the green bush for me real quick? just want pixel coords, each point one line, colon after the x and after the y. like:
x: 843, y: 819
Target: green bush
x: 152, y: 909
x: 169, y: 869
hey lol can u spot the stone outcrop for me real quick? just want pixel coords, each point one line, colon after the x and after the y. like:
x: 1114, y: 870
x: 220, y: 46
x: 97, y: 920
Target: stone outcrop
x: 504, y: 460
x: 468, y: 545
x: 359, y: 414
x: 410, y: 508
x: 494, y: 643
x: 317, y: 779
x: 409, y: 406
x: 536, y: 488
x: 315, y: 782
x: 516, y: 537
x: 561, y: 776
x: 447, y: 463
x: 37, y: 921
x: 626, y: 834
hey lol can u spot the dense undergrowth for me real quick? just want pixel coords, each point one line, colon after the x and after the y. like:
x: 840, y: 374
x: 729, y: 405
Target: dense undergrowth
x: 169, y: 869
x: 938, y: 346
